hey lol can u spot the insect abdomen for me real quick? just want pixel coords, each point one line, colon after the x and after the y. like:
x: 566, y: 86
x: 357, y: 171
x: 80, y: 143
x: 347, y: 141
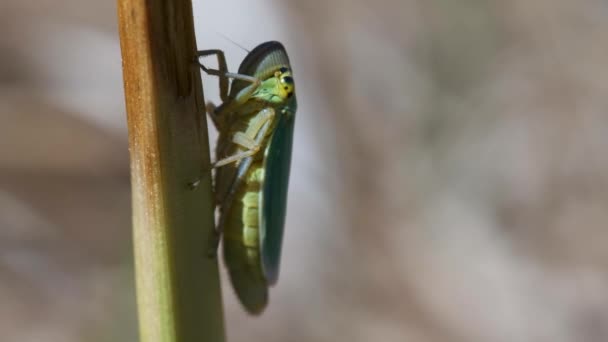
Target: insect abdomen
x: 242, y: 243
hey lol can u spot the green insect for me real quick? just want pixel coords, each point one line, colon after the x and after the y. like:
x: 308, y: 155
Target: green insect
x: 253, y: 155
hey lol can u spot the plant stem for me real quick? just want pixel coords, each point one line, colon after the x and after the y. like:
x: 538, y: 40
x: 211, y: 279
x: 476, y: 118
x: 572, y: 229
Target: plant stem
x: 178, y: 292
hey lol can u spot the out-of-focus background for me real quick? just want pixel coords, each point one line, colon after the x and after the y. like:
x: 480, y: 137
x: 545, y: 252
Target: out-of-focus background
x: 449, y: 181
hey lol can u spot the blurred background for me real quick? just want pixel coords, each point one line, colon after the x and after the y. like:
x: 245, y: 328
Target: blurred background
x: 449, y: 180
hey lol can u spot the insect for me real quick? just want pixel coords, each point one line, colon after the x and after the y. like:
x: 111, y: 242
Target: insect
x: 255, y: 123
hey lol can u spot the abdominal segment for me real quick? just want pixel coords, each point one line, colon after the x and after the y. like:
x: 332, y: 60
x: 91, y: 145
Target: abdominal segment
x: 242, y: 243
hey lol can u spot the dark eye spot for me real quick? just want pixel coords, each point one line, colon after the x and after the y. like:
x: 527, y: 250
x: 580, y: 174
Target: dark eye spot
x: 288, y: 80
x: 285, y: 87
x: 283, y: 70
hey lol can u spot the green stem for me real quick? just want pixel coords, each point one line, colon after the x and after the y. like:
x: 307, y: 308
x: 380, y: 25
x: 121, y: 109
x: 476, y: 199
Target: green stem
x: 178, y: 292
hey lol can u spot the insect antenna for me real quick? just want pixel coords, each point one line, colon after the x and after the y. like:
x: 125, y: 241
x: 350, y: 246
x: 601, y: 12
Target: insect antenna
x: 232, y: 41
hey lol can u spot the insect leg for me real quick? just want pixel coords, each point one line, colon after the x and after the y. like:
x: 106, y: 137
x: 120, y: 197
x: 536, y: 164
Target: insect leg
x: 245, y: 94
x: 217, y: 119
x: 237, y: 157
x: 218, y: 122
x: 251, y: 139
x: 243, y: 168
x: 223, y: 75
x: 244, y: 140
x: 220, y: 72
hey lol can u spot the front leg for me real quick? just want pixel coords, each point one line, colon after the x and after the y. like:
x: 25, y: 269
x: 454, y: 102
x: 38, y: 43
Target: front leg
x: 223, y: 75
x: 222, y: 69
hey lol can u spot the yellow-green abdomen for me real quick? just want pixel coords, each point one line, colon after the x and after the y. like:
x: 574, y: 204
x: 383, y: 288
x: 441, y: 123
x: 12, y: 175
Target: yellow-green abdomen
x: 242, y: 243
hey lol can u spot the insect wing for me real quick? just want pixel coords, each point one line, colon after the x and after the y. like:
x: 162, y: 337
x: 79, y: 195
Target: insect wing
x: 273, y: 201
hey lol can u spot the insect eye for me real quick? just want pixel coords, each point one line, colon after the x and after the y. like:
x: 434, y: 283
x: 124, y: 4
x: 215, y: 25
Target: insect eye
x: 287, y: 80
x: 283, y: 70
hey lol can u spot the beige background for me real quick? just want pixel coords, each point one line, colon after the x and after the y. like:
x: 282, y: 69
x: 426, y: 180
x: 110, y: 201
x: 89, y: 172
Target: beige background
x: 449, y: 180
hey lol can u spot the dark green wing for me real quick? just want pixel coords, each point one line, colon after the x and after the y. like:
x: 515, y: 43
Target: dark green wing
x: 273, y: 201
